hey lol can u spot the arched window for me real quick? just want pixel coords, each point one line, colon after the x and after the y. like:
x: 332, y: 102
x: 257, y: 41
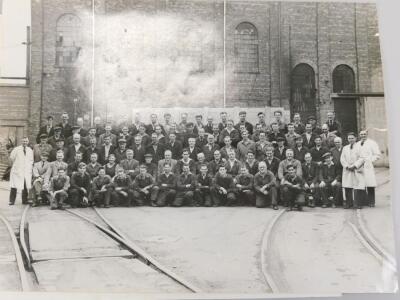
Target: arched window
x: 68, y: 40
x: 246, y: 48
x: 303, y: 93
x: 343, y: 79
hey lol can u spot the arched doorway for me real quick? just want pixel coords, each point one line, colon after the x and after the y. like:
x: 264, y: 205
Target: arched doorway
x: 343, y: 81
x: 303, y: 92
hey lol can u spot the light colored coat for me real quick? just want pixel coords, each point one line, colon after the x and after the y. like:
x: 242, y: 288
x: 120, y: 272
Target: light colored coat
x: 351, y: 157
x: 369, y: 151
x: 21, y: 169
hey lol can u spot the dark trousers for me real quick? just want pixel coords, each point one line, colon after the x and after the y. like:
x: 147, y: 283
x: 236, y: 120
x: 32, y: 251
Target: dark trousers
x: 163, y: 197
x: 271, y: 198
x: 58, y: 200
x: 292, y: 196
x: 140, y: 198
x: 228, y: 199
x: 353, y: 201
x: 13, y: 195
x: 203, y: 197
x: 102, y: 197
x: 371, y: 196
x: 245, y: 197
x: 76, y: 197
x: 183, y: 198
x: 118, y: 199
x: 331, y: 194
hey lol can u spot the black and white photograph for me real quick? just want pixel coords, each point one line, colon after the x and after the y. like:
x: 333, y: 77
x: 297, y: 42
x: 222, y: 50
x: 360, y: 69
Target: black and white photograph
x: 179, y: 147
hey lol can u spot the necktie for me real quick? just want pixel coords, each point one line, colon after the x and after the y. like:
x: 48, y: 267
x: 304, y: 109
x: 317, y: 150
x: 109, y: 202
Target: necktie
x: 42, y: 164
x: 351, y: 146
x: 24, y: 150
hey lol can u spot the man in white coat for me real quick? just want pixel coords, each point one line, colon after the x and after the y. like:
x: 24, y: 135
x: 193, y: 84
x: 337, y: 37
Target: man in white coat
x: 353, y: 175
x: 21, y: 159
x: 369, y: 151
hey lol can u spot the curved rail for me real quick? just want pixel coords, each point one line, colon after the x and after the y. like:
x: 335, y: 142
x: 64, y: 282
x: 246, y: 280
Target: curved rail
x: 22, y: 239
x: 264, y: 248
x: 18, y: 255
x: 132, y: 247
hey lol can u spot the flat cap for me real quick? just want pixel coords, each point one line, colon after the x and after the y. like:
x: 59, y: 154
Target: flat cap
x: 43, y: 136
x: 327, y: 154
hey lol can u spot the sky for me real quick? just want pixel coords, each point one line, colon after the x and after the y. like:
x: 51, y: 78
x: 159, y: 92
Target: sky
x: 16, y: 16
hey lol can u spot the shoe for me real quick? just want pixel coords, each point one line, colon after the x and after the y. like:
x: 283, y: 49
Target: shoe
x: 106, y: 206
x: 289, y: 209
x: 34, y: 205
x: 300, y: 208
x: 333, y: 205
x: 275, y: 207
x: 372, y: 205
x: 324, y: 206
x: 359, y: 207
x: 11, y: 203
x: 53, y: 208
x: 61, y: 207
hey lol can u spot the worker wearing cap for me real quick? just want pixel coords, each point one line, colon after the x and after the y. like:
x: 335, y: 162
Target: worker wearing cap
x: 292, y: 189
x: 120, y: 152
x: 315, y: 128
x: 80, y: 187
x: 57, y: 135
x: 101, y: 189
x: 150, y: 165
x: 43, y: 146
x: 242, y: 120
x: 66, y: 128
x: 39, y: 188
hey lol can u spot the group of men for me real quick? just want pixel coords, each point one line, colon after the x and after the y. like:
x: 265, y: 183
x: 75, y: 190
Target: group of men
x: 216, y: 163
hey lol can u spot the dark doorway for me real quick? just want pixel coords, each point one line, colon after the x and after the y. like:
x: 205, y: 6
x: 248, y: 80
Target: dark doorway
x: 343, y: 80
x: 303, y: 93
x: 346, y: 114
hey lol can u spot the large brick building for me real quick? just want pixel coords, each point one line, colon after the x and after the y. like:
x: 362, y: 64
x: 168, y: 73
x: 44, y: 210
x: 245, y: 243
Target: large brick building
x: 291, y: 55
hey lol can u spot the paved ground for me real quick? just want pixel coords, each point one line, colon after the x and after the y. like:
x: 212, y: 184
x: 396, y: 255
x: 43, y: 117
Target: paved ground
x: 218, y: 249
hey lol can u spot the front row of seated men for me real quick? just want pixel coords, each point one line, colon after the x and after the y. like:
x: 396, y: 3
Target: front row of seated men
x: 206, y: 184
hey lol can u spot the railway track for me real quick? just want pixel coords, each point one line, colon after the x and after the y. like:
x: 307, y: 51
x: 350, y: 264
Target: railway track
x: 20, y: 250
x: 113, y: 232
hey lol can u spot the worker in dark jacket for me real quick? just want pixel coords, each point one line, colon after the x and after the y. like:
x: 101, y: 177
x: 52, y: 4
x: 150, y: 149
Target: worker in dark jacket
x: 311, y: 178
x: 244, y: 185
x: 330, y: 181
x: 203, y: 185
x: 164, y: 191
x: 223, y: 191
x: 101, y: 189
x: 186, y: 185
x: 122, y: 194
x: 80, y: 187
x: 142, y: 186
x: 265, y: 187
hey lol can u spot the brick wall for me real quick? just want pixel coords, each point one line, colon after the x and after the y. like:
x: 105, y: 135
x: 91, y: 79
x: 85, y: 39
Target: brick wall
x: 322, y: 35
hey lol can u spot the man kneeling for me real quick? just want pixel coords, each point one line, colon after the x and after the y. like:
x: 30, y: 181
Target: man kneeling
x: 142, y: 186
x: 80, y: 187
x: 58, y: 188
x: 292, y: 189
x: 265, y: 187
x: 101, y: 189
x: 165, y: 191
x: 186, y: 184
x: 223, y: 192
x: 122, y: 193
x: 244, y: 185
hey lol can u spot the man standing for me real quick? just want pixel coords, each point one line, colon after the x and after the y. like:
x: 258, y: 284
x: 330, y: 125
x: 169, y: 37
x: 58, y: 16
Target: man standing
x: 353, y: 174
x: 210, y: 148
x: 74, y: 148
x: 231, y: 132
x: 66, y: 129
x: 47, y: 129
x: 21, y: 159
x: 370, y: 153
x: 333, y: 125
x: 331, y: 177
x: 167, y: 159
x: 311, y: 174
x: 174, y: 146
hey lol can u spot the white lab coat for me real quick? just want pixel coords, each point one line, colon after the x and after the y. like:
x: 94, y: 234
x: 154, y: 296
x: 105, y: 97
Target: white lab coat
x: 351, y: 157
x: 370, y: 153
x: 21, y: 167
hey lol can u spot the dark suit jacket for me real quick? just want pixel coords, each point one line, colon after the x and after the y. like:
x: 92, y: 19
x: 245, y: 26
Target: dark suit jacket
x: 102, y: 156
x: 310, y: 173
x: 66, y: 131
x: 158, y: 154
x: 317, y: 154
x: 138, y: 153
x: 42, y: 130
x: 280, y: 155
x: 193, y: 154
x: 71, y: 153
x: 209, y: 154
x: 336, y: 155
x: 273, y: 166
x: 176, y: 149
x: 299, y: 154
x: 309, y: 144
